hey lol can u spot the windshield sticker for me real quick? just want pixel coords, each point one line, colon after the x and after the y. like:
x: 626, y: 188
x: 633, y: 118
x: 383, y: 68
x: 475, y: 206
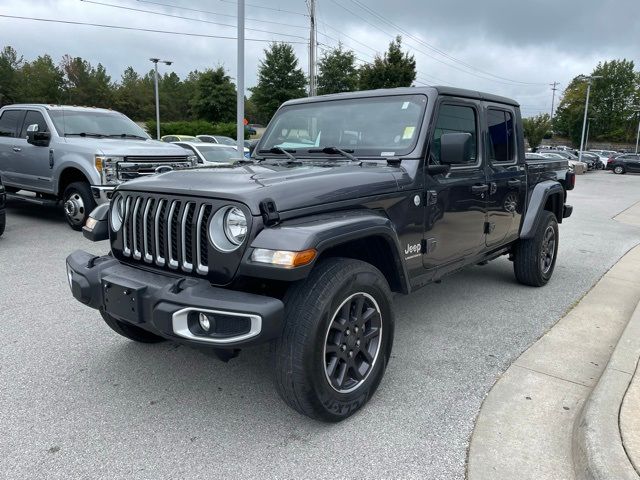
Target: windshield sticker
x: 408, y: 133
x: 405, y: 105
x: 387, y: 154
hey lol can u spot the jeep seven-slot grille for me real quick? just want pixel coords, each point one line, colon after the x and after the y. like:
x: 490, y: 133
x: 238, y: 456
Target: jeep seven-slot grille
x: 167, y: 232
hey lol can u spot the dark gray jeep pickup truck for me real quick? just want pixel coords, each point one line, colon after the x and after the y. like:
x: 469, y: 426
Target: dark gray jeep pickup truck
x: 347, y: 199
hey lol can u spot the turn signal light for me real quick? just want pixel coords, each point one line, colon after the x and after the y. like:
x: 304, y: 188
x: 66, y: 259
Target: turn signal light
x: 284, y: 258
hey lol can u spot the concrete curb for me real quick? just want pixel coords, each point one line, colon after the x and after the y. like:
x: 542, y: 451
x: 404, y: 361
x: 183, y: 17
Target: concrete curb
x: 598, y: 451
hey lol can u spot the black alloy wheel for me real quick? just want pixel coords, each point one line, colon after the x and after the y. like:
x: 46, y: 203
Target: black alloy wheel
x: 352, y: 343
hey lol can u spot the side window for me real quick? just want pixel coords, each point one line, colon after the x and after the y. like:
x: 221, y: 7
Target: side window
x: 455, y: 119
x: 9, y: 123
x: 31, y: 118
x: 501, y: 136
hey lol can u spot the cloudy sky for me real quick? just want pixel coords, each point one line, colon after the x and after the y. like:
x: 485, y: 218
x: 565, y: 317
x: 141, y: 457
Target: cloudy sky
x: 512, y: 48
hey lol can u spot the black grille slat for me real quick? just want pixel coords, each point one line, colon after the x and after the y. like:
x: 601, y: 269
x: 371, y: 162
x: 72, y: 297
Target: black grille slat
x: 188, y: 236
x: 175, y: 231
x: 204, y: 253
x: 162, y: 220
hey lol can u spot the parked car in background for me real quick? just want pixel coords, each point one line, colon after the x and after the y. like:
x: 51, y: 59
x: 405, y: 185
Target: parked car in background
x: 179, y: 138
x: 3, y: 214
x: 574, y: 165
x: 594, y: 159
x: 76, y: 155
x: 222, y: 140
x: 589, y: 162
x: 627, y: 162
x: 534, y: 156
x: 211, y: 153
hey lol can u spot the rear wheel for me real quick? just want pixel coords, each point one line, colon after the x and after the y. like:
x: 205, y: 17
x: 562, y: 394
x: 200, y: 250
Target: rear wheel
x: 619, y: 170
x: 535, y: 258
x: 131, y: 332
x: 78, y: 203
x: 336, y: 341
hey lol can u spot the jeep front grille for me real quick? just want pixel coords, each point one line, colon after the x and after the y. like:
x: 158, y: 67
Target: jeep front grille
x: 167, y: 232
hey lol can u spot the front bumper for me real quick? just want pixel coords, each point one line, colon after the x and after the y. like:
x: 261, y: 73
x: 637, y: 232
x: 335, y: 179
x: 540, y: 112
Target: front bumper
x: 163, y: 303
x: 102, y: 194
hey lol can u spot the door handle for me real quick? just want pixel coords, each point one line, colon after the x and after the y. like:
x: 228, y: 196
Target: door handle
x: 479, y: 188
x: 17, y: 149
x: 514, y: 183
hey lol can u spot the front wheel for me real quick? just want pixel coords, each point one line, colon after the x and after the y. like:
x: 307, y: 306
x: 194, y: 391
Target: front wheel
x: 78, y: 204
x: 336, y: 341
x: 535, y: 258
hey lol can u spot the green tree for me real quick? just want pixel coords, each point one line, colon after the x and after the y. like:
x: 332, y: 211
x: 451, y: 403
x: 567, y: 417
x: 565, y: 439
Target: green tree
x: 279, y: 79
x: 41, y: 81
x: 134, y: 96
x: 394, y: 69
x: 215, y: 96
x: 10, y: 64
x: 613, y: 96
x: 86, y: 85
x: 337, y: 72
x: 535, y: 128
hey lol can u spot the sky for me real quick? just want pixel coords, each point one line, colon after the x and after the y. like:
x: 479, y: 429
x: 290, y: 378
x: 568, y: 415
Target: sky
x: 511, y: 48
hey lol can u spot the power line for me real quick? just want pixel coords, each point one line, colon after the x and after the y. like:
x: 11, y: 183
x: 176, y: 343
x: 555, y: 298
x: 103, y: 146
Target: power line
x: 122, y: 7
x: 435, y: 49
x: 148, y: 30
x: 209, y: 12
x: 233, y: 2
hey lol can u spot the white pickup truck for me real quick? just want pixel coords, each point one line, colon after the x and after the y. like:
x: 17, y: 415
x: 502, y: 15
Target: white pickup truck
x: 77, y: 155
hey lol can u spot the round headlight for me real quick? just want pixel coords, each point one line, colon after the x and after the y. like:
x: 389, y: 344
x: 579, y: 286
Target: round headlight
x: 117, y: 213
x: 228, y: 229
x: 235, y: 226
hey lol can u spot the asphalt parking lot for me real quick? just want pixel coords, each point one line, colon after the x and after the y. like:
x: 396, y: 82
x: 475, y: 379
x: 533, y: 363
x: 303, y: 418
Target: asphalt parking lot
x: 78, y: 401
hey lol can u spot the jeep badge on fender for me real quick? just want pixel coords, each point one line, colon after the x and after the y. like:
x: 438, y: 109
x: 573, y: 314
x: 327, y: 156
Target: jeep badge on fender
x: 304, y: 245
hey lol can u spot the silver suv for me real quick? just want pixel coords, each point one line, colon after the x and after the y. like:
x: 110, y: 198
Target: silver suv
x: 77, y: 155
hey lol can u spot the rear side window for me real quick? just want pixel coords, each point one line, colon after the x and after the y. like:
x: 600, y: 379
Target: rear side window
x: 9, y: 122
x: 31, y: 118
x: 455, y: 119
x: 502, y: 141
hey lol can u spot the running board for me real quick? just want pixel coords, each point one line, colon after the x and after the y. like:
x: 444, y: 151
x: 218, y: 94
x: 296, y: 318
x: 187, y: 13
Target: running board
x: 32, y: 200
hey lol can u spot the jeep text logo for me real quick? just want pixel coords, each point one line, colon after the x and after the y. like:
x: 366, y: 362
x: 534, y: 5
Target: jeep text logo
x: 412, y: 249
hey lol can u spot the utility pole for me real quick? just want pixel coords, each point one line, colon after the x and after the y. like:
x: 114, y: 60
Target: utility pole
x: 312, y: 48
x: 554, y: 87
x: 586, y: 111
x: 240, y: 81
x: 586, y: 142
x: 155, y: 64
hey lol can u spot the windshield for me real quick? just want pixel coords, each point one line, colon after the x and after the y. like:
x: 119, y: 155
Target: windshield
x: 218, y: 154
x: 379, y: 126
x: 226, y: 141
x: 75, y: 122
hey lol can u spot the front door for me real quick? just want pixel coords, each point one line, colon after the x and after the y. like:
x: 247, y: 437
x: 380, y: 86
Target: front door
x: 506, y: 176
x: 10, y: 125
x: 33, y: 161
x: 455, y: 210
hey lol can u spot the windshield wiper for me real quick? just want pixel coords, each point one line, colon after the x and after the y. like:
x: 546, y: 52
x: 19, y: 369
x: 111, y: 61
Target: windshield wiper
x: 336, y: 151
x: 84, y: 134
x: 126, y: 135
x: 282, y: 151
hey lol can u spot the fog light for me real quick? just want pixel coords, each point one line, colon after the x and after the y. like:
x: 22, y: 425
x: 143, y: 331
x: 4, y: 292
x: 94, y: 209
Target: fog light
x: 204, y: 322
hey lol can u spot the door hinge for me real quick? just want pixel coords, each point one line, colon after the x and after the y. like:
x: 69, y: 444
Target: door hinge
x: 489, y: 227
x: 431, y: 197
x: 428, y: 245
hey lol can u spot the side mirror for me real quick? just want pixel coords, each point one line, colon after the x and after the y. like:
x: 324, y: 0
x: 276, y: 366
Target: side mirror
x: 37, y: 138
x: 455, y: 148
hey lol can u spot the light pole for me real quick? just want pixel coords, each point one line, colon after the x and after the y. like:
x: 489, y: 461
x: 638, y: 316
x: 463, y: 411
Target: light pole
x: 586, y: 142
x: 240, y: 81
x: 586, y: 110
x: 638, y: 135
x: 155, y: 64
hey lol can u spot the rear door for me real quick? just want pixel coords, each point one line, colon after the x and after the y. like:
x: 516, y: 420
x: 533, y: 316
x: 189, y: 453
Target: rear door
x: 10, y: 125
x: 632, y: 162
x: 455, y: 210
x: 506, y: 175
x: 33, y: 161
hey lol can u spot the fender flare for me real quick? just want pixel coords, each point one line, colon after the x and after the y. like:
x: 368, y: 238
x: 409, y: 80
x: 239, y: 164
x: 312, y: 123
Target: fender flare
x: 541, y: 193
x: 322, y: 232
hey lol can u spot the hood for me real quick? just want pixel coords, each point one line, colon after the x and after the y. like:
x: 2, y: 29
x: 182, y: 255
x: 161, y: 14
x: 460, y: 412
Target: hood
x: 128, y: 147
x: 291, y: 187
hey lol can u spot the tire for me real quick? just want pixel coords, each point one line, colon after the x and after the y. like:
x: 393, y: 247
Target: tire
x: 78, y: 203
x: 619, y: 170
x: 3, y: 221
x: 303, y: 375
x: 533, y: 263
x: 131, y: 332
